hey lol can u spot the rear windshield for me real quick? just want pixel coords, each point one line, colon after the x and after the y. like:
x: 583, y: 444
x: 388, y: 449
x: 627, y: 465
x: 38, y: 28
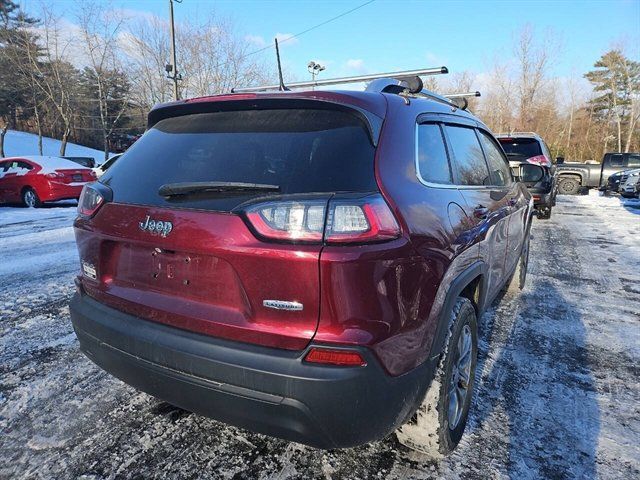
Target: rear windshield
x: 520, y: 148
x: 300, y: 150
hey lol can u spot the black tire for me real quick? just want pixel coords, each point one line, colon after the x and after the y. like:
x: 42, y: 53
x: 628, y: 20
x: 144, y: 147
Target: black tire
x: 30, y: 198
x: 544, y: 214
x: 569, y: 186
x: 519, y: 277
x: 437, y: 427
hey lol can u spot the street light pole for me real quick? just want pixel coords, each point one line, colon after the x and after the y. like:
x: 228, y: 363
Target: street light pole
x: 314, y: 69
x: 174, y: 70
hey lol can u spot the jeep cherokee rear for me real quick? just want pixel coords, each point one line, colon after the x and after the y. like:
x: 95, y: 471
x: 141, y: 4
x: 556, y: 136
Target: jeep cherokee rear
x: 302, y: 264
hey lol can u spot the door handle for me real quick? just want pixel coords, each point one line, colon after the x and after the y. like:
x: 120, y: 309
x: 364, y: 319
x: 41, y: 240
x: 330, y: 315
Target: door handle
x: 480, y: 212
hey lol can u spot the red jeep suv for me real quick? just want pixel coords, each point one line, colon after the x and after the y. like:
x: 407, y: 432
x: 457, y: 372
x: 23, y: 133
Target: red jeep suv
x: 309, y: 265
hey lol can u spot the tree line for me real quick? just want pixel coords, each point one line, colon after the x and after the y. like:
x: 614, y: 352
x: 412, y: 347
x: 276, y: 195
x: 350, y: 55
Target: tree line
x: 92, y: 81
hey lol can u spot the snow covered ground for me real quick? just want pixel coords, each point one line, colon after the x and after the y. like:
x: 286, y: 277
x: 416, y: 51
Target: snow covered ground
x: 23, y: 143
x: 558, y: 393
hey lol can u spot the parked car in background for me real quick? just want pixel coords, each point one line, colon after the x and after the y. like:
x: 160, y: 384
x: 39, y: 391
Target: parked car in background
x: 88, y: 162
x: 34, y: 180
x: 325, y: 285
x: 572, y: 177
x: 541, y: 185
x: 100, y: 169
x: 529, y: 148
x: 629, y: 188
x: 525, y: 147
x: 614, y: 182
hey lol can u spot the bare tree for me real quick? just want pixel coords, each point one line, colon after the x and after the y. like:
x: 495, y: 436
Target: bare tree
x: 54, y: 77
x: 533, y: 60
x: 98, y: 37
x: 212, y: 58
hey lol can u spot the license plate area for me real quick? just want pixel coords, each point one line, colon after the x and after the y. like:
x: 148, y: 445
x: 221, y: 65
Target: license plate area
x: 76, y: 177
x: 168, y: 266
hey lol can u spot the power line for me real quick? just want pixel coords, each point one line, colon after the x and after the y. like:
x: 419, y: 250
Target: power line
x: 303, y: 32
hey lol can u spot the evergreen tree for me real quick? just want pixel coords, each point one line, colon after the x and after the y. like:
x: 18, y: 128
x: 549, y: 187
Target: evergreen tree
x: 617, y: 81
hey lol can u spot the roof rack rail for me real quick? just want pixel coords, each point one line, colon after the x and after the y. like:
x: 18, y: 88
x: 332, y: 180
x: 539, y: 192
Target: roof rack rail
x: 461, y: 99
x: 405, y: 76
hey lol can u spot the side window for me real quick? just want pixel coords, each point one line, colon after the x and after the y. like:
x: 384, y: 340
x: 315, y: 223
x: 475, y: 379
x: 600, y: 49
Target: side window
x: 433, y: 163
x: 498, y: 164
x: 24, y: 166
x: 634, y: 160
x: 470, y: 165
x: 617, y: 161
x: 545, y: 150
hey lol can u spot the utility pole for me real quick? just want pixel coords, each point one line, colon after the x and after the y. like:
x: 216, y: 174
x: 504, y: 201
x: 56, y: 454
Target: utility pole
x: 172, y: 68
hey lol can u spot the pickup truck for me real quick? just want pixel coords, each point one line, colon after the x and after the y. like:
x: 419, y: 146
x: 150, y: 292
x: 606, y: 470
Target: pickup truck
x: 572, y: 177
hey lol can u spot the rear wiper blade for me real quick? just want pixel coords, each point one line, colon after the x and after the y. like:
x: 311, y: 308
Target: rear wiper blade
x: 186, y: 188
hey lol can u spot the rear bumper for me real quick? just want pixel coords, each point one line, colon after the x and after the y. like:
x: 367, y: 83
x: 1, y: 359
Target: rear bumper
x: 59, y: 191
x: 542, y: 199
x: 263, y: 389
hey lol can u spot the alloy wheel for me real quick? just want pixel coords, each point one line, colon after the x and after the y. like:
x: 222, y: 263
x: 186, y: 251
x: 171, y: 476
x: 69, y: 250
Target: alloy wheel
x: 460, y: 375
x: 30, y: 198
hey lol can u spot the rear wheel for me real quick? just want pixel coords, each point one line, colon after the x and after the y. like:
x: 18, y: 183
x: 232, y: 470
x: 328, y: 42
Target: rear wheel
x: 437, y: 426
x: 568, y: 186
x: 30, y: 198
x: 544, y: 213
x: 519, y: 277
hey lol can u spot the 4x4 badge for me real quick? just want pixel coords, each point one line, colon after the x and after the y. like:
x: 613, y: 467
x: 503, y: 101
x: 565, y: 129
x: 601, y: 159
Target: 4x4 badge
x: 156, y: 227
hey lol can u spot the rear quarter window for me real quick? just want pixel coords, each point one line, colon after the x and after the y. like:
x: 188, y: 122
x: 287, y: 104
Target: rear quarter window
x: 432, y: 159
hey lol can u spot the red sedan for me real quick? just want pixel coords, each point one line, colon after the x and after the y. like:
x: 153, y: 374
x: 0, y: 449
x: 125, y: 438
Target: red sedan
x: 34, y: 180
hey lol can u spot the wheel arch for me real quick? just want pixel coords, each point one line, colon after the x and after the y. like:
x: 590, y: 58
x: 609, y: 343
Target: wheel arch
x: 471, y: 284
x: 571, y: 174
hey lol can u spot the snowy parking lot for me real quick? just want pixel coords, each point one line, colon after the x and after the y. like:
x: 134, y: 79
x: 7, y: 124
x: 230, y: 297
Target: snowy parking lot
x: 558, y: 393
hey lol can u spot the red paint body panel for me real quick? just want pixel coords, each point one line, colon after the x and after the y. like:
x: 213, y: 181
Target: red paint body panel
x: 48, y: 189
x: 386, y: 296
x: 210, y: 275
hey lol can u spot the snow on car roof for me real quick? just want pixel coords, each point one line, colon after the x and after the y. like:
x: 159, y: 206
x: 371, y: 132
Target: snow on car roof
x: 50, y: 162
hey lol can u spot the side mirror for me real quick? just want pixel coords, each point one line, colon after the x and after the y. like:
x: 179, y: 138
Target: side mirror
x: 530, y: 173
x: 559, y: 160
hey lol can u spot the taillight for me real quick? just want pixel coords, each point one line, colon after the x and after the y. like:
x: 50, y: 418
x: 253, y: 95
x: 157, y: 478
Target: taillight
x: 92, y: 198
x: 539, y: 160
x: 54, y: 175
x: 360, y: 220
x: 367, y: 220
x: 334, y: 356
x: 295, y: 221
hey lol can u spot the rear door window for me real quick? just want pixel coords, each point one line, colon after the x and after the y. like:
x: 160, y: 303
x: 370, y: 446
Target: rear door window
x: 433, y: 163
x: 302, y: 151
x: 470, y: 165
x: 498, y: 164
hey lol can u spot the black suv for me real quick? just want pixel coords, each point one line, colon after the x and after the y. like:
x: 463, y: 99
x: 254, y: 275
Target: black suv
x: 529, y: 148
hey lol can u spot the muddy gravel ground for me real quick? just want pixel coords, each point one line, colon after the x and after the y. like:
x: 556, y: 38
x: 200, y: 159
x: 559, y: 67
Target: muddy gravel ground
x: 558, y: 393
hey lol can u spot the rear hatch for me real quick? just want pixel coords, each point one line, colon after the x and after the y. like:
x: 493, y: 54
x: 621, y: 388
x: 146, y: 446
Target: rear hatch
x: 520, y: 149
x: 167, y: 249
x: 74, y: 176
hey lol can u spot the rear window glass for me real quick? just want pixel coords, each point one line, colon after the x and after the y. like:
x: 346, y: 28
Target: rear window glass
x: 519, y: 149
x: 300, y: 150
